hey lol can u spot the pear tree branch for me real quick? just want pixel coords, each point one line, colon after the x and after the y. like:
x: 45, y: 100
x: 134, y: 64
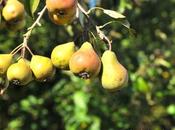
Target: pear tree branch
x: 27, y: 35
x: 23, y: 46
x: 100, y: 33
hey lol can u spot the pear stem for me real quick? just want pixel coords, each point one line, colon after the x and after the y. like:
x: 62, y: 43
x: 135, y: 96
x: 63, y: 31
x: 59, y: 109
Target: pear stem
x: 18, y: 48
x: 3, y: 90
x: 27, y: 35
x: 100, y: 33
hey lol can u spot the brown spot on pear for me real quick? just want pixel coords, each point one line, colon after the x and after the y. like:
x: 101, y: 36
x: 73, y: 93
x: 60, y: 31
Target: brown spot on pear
x: 114, y: 75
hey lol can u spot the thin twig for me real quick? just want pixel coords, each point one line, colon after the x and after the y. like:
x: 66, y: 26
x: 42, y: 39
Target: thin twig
x: 98, y: 29
x: 17, y: 50
x: 3, y: 90
x: 14, y: 50
x: 102, y: 26
x: 29, y: 50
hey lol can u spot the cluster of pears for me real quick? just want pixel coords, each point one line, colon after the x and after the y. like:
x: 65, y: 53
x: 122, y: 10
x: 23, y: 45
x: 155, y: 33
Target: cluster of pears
x: 23, y: 71
x: 61, y: 11
x: 86, y: 64
x: 13, y: 13
x: 83, y: 62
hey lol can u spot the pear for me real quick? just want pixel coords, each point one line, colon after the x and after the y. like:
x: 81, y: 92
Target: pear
x: 42, y: 67
x: 13, y: 11
x: 114, y: 75
x: 5, y: 61
x: 85, y: 62
x: 61, y: 55
x: 61, y: 12
x: 20, y: 73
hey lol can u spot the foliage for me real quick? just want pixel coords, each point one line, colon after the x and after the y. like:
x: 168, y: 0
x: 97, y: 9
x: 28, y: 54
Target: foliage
x: 70, y: 103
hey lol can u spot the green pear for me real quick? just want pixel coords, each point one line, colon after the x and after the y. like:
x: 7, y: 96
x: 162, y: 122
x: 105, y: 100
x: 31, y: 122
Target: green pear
x: 61, y: 55
x: 85, y: 62
x: 42, y: 67
x: 20, y: 73
x: 114, y: 75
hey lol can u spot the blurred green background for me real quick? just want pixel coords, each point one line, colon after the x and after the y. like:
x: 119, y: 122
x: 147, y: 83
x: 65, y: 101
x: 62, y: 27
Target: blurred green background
x: 70, y: 103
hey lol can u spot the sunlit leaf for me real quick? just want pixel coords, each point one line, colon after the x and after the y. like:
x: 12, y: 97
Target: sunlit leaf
x: 113, y: 14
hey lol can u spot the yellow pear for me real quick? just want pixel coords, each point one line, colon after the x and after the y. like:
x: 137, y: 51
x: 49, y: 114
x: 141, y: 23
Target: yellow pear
x: 5, y: 61
x: 20, y: 73
x: 42, y: 67
x: 114, y: 75
x: 61, y: 55
x: 85, y: 62
x: 13, y: 11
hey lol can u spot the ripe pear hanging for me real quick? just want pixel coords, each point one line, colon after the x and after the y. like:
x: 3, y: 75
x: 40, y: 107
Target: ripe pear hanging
x: 114, y: 75
x: 85, y: 62
x: 20, y: 73
x: 13, y: 11
x: 61, y: 55
x: 42, y: 67
x: 14, y: 14
x: 61, y: 11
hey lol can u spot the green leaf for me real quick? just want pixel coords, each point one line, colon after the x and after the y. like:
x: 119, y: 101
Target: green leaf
x: 33, y: 5
x: 113, y: 14
x: 126, y: 24
x: 141, y: 85
x: 81, y: 18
